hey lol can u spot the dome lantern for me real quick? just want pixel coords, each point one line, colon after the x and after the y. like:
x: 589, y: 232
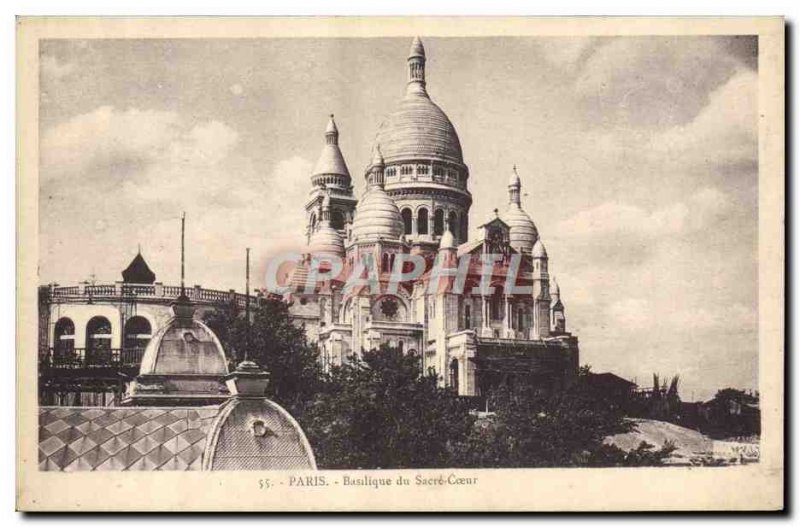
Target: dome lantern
x: 514, y: 186
x: 416, y: 69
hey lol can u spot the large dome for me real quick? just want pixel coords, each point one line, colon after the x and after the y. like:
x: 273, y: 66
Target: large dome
x: 418, y: 129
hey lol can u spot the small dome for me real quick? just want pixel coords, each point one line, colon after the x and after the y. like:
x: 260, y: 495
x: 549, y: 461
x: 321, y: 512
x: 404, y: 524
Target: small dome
x: 522, y: 231
x: 326, y: 240
x: 538, y: 250
x: 513, y: 180
x: 179, y: 350
x: 447, y: 241
x: 377, y: 216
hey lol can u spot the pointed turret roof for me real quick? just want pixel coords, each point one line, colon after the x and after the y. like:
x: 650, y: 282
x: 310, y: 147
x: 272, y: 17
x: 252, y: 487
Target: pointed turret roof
x: 331, y: 161
x: 138, y: 272
x: 417, y: 49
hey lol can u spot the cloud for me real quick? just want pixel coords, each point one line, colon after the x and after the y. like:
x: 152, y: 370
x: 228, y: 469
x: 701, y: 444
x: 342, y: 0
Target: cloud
x: 615, y: 220
x: 105, y: 139
x: 290, y: 178
x: 725, y: 131
x: 150, y: 154
x: 113, y: 178
x: 652, y: 82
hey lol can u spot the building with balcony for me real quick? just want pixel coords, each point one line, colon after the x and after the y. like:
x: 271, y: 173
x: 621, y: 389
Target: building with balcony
x: 92, y: 337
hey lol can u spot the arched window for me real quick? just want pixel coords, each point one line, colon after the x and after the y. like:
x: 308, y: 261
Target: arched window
x: 406, y: 214
x: 391, y: 262
x: 337, y: 220
x: 385, y: 263
x: 497, y: 304
x: 464, y: 227
x: 422, y: 221
x: 438, y: 222
x: 137, y: 335
x: 64, y: 345
x: 521, y: 319
x: 452, y: 223
x: 454, y: 375
x: 467, y: 317
x: 137, y: 332
x: 98, y: 341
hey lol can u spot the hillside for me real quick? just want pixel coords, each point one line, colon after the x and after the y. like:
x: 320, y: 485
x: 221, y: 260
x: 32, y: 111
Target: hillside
x: 690, y: 443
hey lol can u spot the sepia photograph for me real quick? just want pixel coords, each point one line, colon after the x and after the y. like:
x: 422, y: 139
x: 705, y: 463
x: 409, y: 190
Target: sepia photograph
x: 343, y: 256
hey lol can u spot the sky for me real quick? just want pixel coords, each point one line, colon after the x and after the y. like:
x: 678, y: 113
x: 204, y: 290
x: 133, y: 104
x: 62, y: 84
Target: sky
x: 638, y: 158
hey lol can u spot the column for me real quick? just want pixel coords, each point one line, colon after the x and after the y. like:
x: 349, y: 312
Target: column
x: 508, y: 332
x: 486, y: 327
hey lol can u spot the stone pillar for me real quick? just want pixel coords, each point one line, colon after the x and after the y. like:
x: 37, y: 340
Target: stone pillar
x: 508, y: 321
x: 486, y: 325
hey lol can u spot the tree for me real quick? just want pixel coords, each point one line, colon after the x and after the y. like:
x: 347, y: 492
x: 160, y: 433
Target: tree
x: 535, y: 428
x: 732, y: 413
x: 380, y: 411
x: 276, y: 345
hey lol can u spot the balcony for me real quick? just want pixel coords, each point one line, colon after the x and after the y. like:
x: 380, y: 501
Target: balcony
x: 82, y: 358
x: 151, y: 293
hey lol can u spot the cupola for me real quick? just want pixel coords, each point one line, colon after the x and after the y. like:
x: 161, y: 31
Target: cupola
x: 377, y: 216
x: 523, y: 233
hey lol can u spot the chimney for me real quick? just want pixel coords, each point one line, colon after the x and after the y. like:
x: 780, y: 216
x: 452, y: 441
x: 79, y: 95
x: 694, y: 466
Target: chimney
x: 247, y: 381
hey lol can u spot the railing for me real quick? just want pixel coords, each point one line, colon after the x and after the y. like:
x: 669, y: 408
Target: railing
x: 154, y: 292
x: 73, y: 358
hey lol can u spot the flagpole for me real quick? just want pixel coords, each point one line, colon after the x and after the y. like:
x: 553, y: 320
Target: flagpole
x: 247, y: 305
x: 183, y: 254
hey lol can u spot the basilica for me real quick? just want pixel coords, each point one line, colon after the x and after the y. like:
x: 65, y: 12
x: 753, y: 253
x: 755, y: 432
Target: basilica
x: 417, y: 203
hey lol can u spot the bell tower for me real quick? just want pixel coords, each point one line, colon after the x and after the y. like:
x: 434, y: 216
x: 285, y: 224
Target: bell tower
x: 330, y: 177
